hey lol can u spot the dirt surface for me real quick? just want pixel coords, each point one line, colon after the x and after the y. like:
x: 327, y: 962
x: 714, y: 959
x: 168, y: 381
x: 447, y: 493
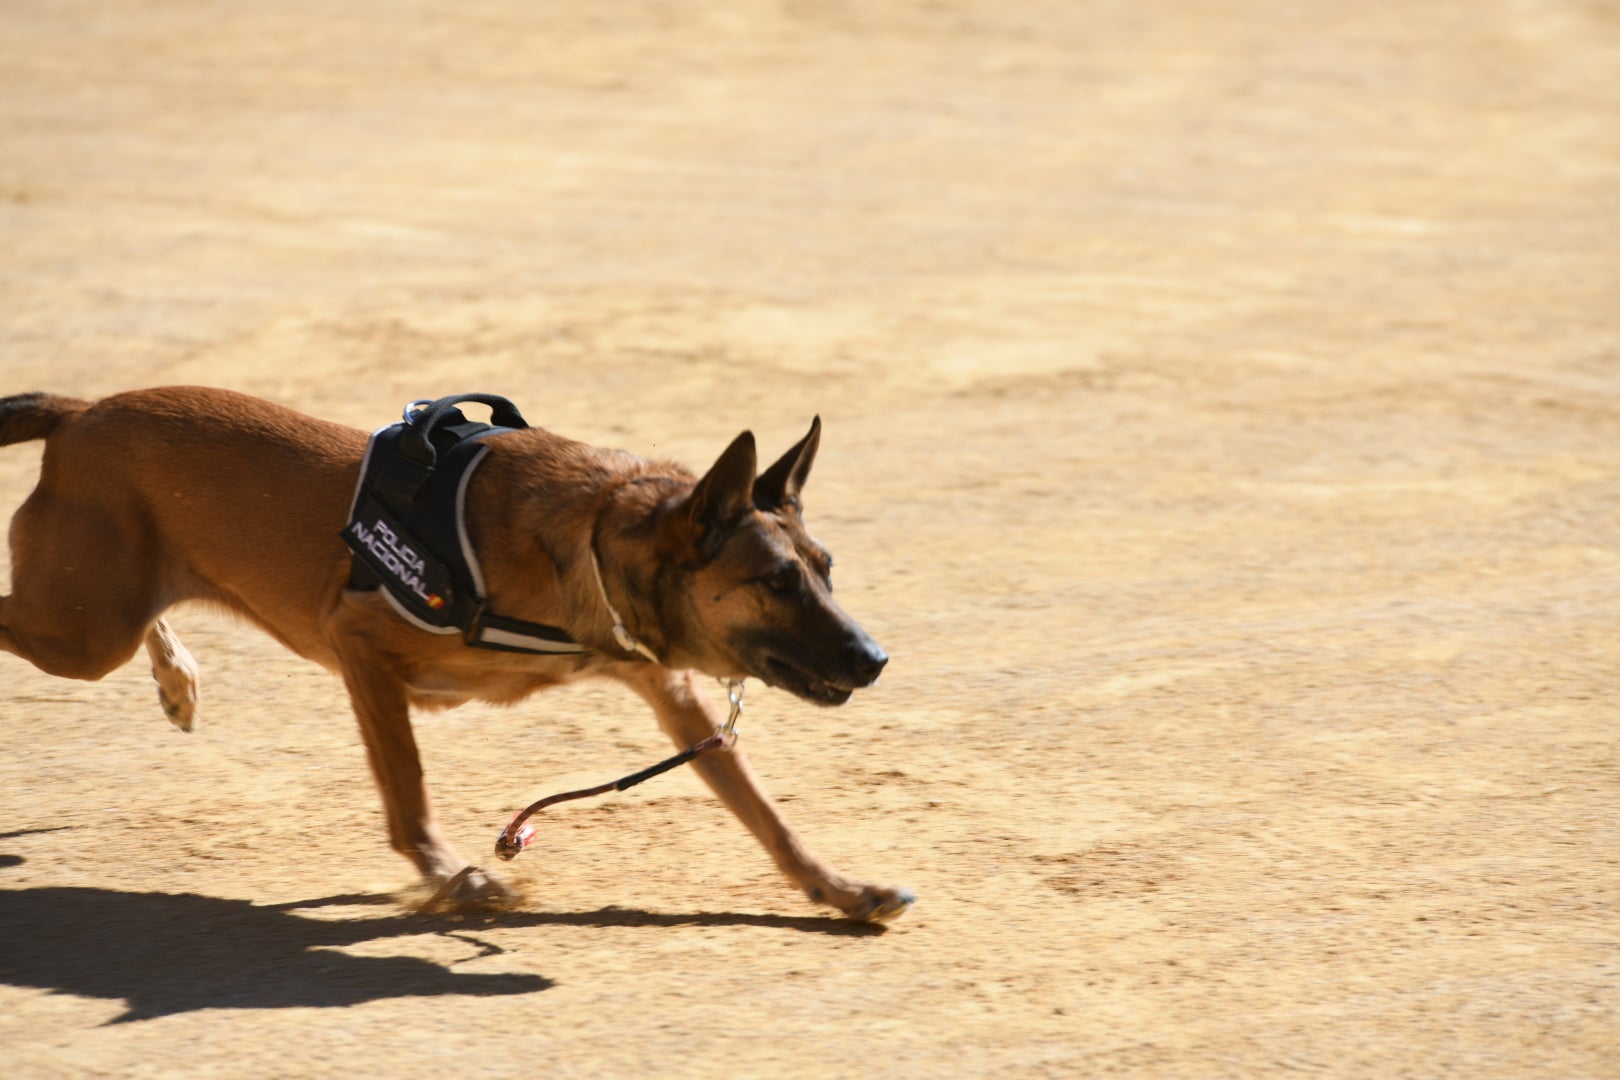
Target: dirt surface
x: 1222, y: 406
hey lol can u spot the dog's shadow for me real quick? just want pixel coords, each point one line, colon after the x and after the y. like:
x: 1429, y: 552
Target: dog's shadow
x: 168, y: 953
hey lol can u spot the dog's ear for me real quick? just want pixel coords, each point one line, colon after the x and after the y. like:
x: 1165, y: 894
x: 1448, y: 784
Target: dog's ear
x: 778, y: 487
x: 726, y: 492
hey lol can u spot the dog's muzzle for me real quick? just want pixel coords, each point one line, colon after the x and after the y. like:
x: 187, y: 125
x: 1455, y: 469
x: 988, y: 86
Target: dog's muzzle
x: 830, y: 681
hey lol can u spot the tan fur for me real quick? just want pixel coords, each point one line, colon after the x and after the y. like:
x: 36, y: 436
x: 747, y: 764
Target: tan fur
x: 155, y: 497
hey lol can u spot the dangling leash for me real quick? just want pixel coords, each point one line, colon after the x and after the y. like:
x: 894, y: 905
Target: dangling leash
x: 518, y: 835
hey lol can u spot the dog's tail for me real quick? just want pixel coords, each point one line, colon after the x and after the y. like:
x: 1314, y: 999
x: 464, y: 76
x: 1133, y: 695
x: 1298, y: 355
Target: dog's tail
x: 34, y: 416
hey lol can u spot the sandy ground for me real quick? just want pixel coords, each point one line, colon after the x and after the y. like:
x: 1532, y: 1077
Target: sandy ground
x: 1221, y: 402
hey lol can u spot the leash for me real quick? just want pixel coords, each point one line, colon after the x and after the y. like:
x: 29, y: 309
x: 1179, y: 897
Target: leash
x: 518, y: 835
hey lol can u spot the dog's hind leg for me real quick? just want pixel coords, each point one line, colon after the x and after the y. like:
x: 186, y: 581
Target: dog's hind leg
x: 175, y: 671
x: 83, y: 590
x: 688, y: 717
x: 70, y: 643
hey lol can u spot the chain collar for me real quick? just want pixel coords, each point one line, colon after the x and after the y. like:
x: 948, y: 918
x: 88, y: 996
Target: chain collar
x: 626, y: 640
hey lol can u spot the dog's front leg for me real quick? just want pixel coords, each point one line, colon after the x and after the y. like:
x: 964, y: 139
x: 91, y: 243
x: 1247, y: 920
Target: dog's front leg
x: 380, y: 704
x: 687, y: 716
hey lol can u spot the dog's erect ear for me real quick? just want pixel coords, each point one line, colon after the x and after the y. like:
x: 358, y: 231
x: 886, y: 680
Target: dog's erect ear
x: 778, y: 487
x: 726, y: 492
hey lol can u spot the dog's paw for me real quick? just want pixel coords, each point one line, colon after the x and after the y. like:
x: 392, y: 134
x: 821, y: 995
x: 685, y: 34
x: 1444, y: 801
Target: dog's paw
x: 882, y: 904
x: 874, y: 903
x: 177, y: 693
x: 175, y: 672
x: 472, y: 889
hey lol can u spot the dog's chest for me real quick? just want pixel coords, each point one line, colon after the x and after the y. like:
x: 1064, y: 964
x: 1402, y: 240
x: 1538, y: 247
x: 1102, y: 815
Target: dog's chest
x: 518, y: 678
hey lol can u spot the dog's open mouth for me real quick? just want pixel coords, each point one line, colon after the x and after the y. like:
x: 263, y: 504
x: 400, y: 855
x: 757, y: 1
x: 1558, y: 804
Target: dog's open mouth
x: 797, y: 681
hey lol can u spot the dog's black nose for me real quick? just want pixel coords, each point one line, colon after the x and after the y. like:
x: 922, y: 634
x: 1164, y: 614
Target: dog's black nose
x: 869, y: 661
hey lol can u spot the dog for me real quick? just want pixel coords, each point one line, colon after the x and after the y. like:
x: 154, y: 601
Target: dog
x: 150, y: 498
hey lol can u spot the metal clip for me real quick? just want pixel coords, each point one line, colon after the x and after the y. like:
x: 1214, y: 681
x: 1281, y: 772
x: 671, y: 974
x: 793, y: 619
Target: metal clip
x: 734, y: 693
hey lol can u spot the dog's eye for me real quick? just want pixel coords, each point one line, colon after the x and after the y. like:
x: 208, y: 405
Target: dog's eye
x: 783, y: 581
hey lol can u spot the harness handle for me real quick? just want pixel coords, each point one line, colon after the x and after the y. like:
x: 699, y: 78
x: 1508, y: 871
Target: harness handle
x: 421, y: 417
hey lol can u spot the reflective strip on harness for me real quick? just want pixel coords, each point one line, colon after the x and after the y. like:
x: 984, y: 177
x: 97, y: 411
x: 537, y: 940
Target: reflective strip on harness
x: 514, y: 635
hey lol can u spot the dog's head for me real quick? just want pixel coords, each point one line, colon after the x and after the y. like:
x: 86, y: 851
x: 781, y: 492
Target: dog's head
x: 744, y: 589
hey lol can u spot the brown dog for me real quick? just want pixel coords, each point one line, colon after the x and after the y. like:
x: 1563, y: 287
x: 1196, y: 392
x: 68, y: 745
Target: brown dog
x: 155, y: 497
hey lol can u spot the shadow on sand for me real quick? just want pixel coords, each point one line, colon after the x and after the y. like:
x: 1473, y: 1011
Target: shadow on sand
x: 167, y: 953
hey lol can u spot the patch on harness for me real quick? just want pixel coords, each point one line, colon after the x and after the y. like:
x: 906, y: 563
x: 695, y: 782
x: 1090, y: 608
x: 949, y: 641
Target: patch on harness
x: 383, y: 543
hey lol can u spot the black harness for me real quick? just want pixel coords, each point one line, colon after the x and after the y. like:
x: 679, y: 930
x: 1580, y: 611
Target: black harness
x: 408, y: 532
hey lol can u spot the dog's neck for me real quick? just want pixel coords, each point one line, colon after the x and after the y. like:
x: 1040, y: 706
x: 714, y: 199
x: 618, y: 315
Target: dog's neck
x: 634, y: 505
x: 621, y: 635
